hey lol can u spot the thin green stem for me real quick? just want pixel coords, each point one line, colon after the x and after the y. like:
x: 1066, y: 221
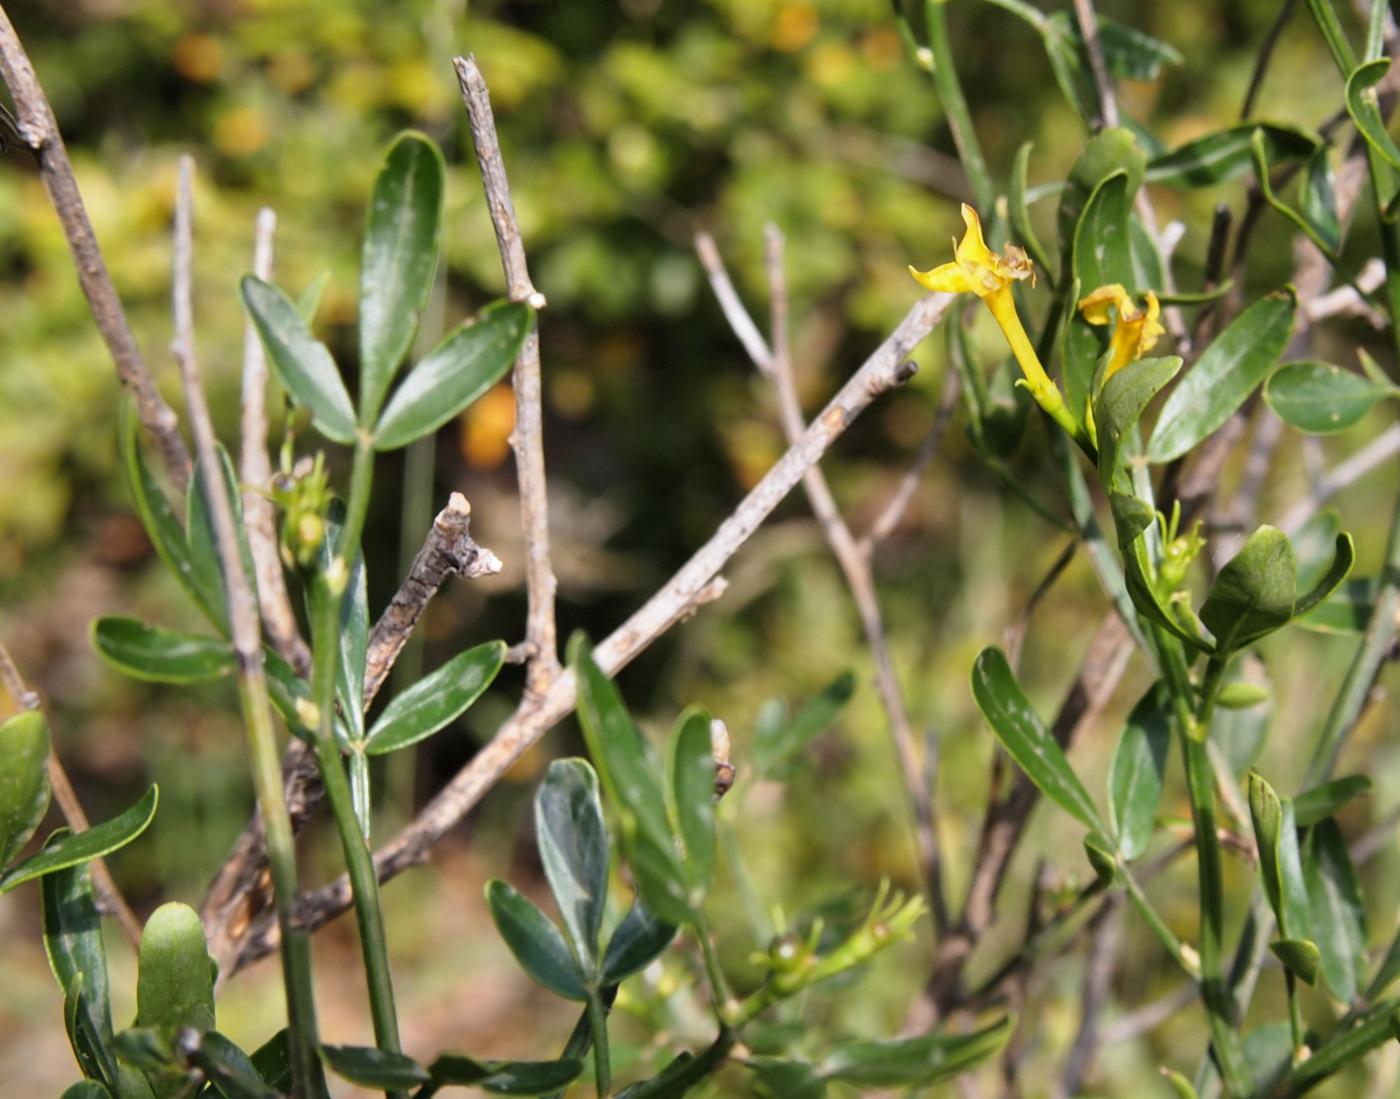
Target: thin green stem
x: 723, y: 1001
x: 307, y: 1073
x: 1157, y: 925
x: 1295, y: 1013
x: 598, y: 1022
x: 950, y: 94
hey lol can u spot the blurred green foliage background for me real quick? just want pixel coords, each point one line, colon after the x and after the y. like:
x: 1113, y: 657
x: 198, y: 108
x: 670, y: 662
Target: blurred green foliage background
x: 627, y: 126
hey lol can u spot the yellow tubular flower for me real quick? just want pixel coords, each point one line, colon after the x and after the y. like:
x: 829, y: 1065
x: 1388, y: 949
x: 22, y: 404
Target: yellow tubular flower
x: 976, y: 269
x: 1137, y: 330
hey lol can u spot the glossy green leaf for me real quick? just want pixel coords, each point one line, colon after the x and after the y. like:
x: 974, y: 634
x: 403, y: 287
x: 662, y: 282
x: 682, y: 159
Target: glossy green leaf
x: 1262, y: 175
x: 536, y: 943
x: 145, y: 1047
x: 1137, y: 771
x: 174, y: 977
x: 1026, y: 739
x: 632, y: 788
x: 775, y: 1078
x: 690, y: 787
x: 1254, y: 594
x: 87, y: 1089
x: 1363, y: 106
x: 73, y: 938
x: 1127, y: 53
x: 1337, y: 910
x: 638, y: 939
x: 1149, y: 273
x: 1121, y: 403
x: 904, y: 1062
x: 1101, y: 255
x: 228, y: 1069
x: 473, y: 358
x: 779, y: 738
x: 506, y: 1077
x: 309, y: 300
x: 1320, y: 802
x: 303, y: 363
x: 1131, y: 518
x: 1343, y: 559
x: 573, y: 843
x: 1319, y: 398
x: 1112, y: 150
x: 24, y: 781
x: 1019, y: 211
x: 1301, y: 957
x: 159, y: 655
x: 374, y: 1068
x: 91, y: 1048
x: 1346, y: 1046
x: 1317, y: 199
x: 1225, y: 154
x: 73, y: 848
x: 273, y: 1062
x: 1225, y: 375
x: 158, y: 517
x: 398, y: 263
x: 1280, y: 865
x: 1348, y: 610
x: 437, y: 699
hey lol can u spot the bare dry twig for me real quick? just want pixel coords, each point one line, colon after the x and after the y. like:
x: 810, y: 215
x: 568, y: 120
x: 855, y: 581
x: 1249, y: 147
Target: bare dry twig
x: 528, y: 437
x: 694, y: 584
x: 38, y: 128
x: 109, y: 897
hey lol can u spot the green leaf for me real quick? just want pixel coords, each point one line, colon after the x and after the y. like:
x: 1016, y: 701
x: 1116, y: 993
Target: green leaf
x: 399, y: 260
x: 914, y: 1061
x: 24, y: 781
x: 1148, y: 272
x: 638, y: 939
x: 690, y: 786
x: 1321, y: 399
x: 160, y: 655
x: 1019, y: 210
x: 146, y: 1048
x: 1181, y: 1087
x: 536, y: 942
x: 303, y: 363
x: 374, y: 1068
x: 1104, y: 860
x: 175, y: 976
x: 506, y: 1077
x: 162, y: 527
x: 573, y: 843
x: 1280, y: 865
x: 1254, y: 593
x: 437, y: 699
x: 1337, y: 910
x: 229, y: 1069
x: 1240, y: 695
x: 1320, y: 802
x: 87, y: 1089
x: 90, y: 1045
x: 632, y: 788
x: 203, y: 541
x: 1225, y: 154
x: 1102, y: 254
x: 473, y: 358
x: 354, y: 623
x: 1343, y: 558
x: 1299, y: 956
x: 71, y: 849
x: 1317, y: 200
x: 1026, y: 739
x: 1121, y: 403
x: 1131, y: 518
x: 273, y: 1062
x: 1348, y: 610
x: 309, y: 300
x: 73, y: 938
x: 780, y: 739
x: 1224, y: 376
x: 1108, y: 152
x: 1241, y: 734
x: 1136, y: 774
x: 775, y: 1078
x: 1364, y: 108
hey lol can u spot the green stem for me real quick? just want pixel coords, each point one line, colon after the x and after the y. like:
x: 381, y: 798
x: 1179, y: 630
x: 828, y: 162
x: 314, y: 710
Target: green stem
x: 307, y: 1074
x: 1295, y: 1013
x: 679, y: 1076
x: 598, y: 1022
x: 1374, y: 1030
x: 724, y: 1003
x: 1156, y: 924
x: 359, y: 858
x: 945, y: 80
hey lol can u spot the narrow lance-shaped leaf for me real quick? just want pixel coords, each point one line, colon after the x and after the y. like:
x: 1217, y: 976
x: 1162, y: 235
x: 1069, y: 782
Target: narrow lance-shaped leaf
x: 1121, y: 403
x: 1321, y: 802
x: 1280, y: 865
x: 914, y: 1061
x: 1225, y: 155
x: 1337, y: 910
x: 1137, y: 772
x: 1020, y: 211
x: 783, y: 738
x: 1317, y: 199
x: 302, y: 362
x: 73, y: 848
x: 573, y: 843
x: 73, y: 938
x: 536, y: 942
x: 776, y: 1078
x: 473, y: 358
x: 229, y: 1069
x: 1026, y: 739
x: 1321, y: 399
x: 374, y: 1068
x: 1225, y: 375
x: 691, y: 789
x: 160, y: 655
x: 1254, y: 593
x: 506, y: 1077
x: 437, y: 699
x: 1343, y: 559
x: 91, y: 1047
x: 24, y: 781
x: 1363, y: 106
x: 638, y: 939
x: 400, y: 257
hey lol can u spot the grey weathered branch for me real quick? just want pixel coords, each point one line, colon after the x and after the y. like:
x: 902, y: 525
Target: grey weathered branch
x: 37, y: 127
x: 696, y: 583
x: 527, y: 439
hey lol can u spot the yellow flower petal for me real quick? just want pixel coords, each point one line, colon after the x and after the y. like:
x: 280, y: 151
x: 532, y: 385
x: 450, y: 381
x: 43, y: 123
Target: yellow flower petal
x: 1095, y: 307
x: 947, y: 278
